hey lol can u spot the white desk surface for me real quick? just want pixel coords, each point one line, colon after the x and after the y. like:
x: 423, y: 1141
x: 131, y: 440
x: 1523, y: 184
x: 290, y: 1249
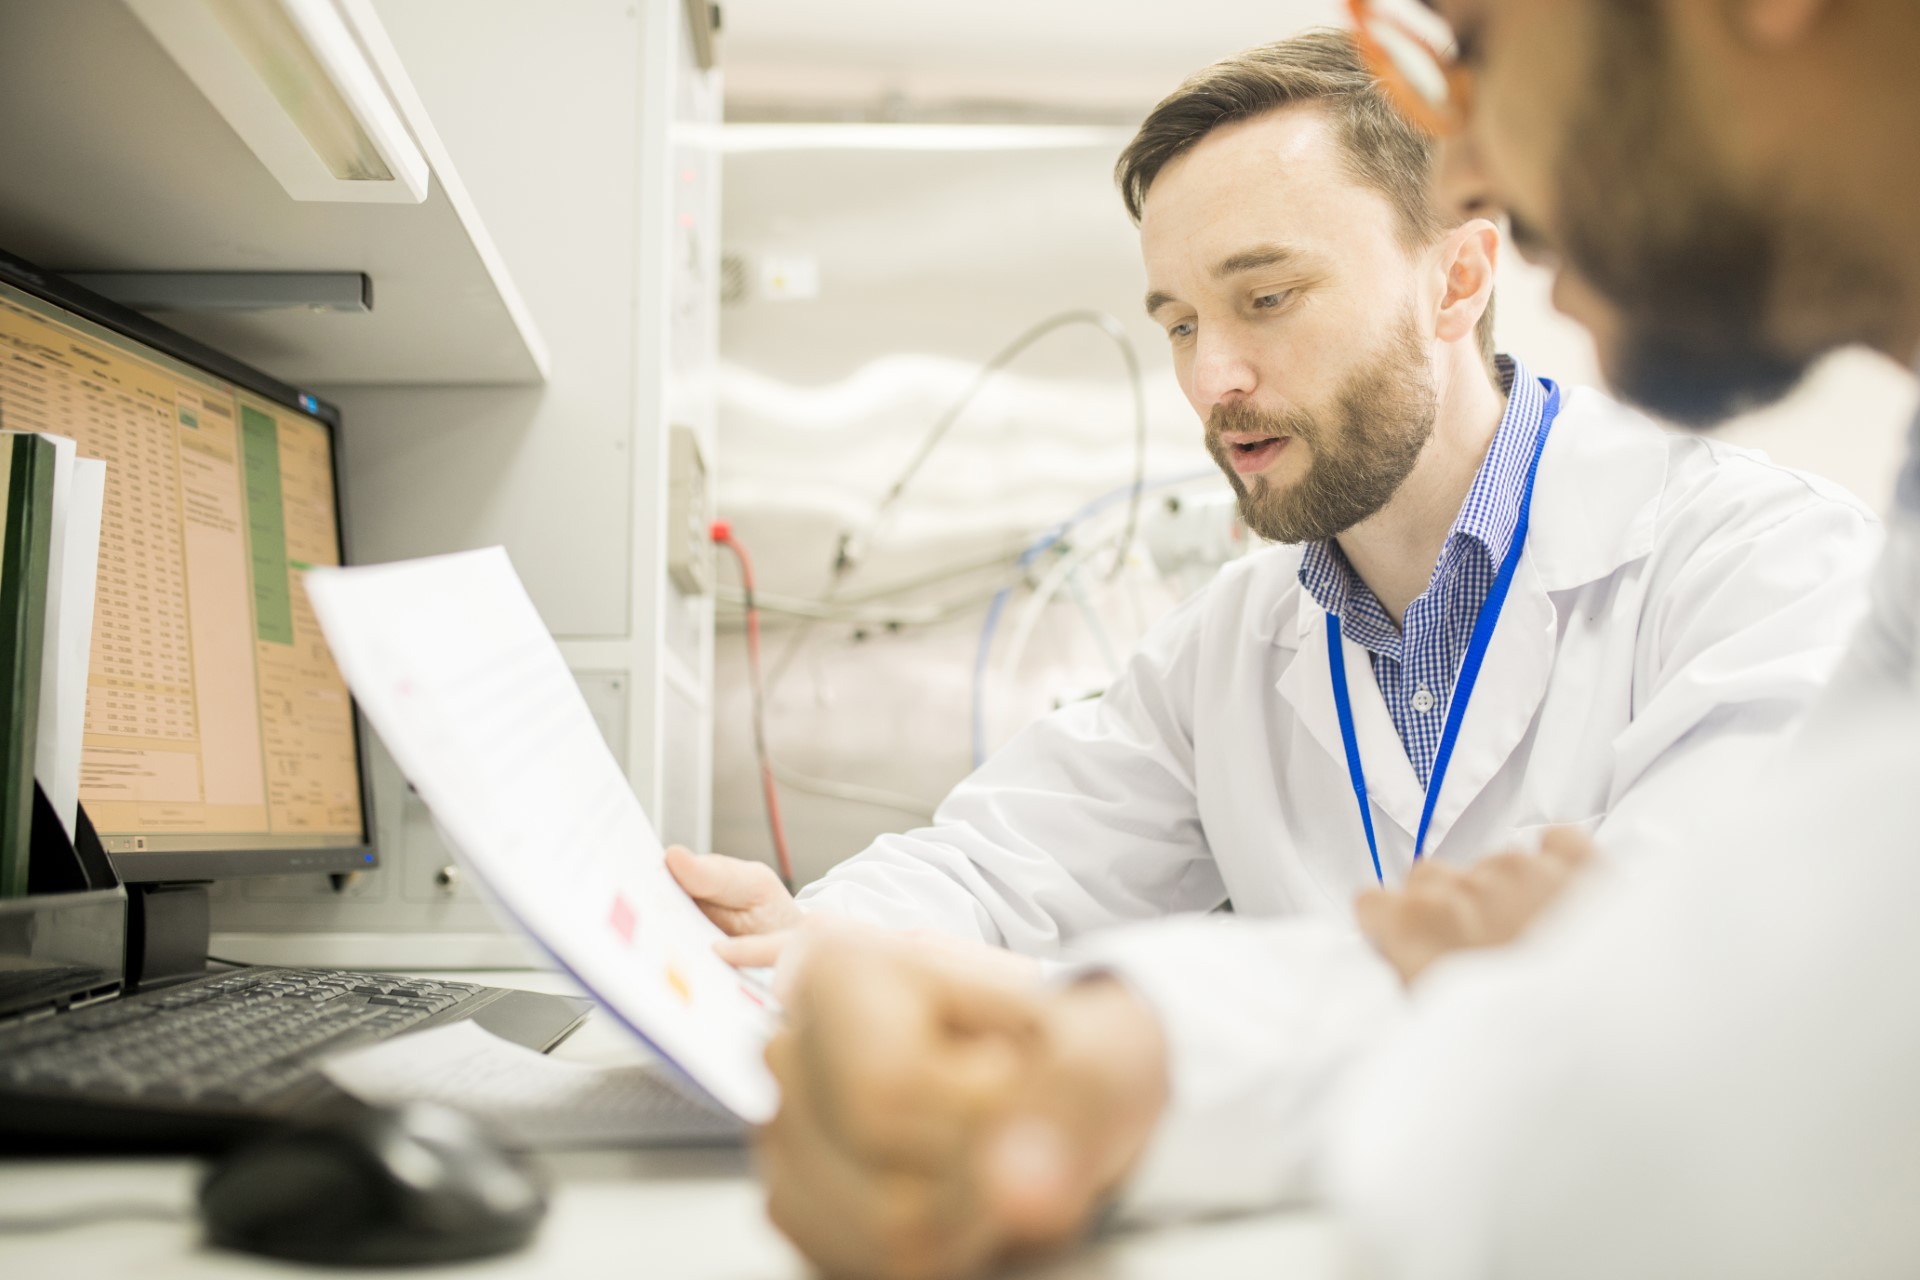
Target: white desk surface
x: 660, y: 1215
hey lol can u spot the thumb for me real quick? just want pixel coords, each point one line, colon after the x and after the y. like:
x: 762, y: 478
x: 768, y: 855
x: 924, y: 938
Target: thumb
x: 684, y: 867
x: 720, y: 881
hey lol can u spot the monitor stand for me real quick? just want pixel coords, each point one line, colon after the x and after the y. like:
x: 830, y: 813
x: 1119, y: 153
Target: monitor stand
x: 167, y: 933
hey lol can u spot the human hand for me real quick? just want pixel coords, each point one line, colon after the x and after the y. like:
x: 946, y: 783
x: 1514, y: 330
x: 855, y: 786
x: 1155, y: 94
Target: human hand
x: 1442, y: 909
x: 746, y: 899
x: 936, y: 1119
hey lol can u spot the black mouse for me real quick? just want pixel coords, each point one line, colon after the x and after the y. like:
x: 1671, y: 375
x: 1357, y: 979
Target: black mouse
x: 376, y: 1187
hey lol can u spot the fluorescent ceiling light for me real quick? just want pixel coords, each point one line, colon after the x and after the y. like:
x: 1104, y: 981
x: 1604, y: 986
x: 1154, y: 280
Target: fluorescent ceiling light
x: 292, y: 81
x: 737, y: 138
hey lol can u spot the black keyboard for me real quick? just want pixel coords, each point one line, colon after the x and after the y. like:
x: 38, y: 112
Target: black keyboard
x: 207, y: 1062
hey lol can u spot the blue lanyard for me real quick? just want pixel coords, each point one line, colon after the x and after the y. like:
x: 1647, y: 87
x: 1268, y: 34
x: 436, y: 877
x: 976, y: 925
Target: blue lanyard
x: 1483, y: 628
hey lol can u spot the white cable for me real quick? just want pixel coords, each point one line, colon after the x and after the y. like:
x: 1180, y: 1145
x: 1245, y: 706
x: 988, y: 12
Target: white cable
x: 876, y: 797
x: 827, y: 606
x: 1098, y: 629
x: 1002, y: 557
x: 860, y: 615
x: 1008, y: 670
x: 1036, y: 606
x: 855, y: 544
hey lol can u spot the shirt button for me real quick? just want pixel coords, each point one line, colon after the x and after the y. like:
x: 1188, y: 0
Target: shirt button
x: 1423, y: 700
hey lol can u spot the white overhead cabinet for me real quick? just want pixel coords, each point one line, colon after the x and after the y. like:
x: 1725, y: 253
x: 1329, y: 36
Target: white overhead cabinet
x: 487, y: 229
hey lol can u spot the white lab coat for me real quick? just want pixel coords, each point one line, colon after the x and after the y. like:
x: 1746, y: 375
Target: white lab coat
x: 1705, y: 1069
x: 1679, y: 604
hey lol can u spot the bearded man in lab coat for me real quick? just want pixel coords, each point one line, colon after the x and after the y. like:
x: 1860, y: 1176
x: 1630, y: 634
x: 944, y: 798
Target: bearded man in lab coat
x: 1647, y: 614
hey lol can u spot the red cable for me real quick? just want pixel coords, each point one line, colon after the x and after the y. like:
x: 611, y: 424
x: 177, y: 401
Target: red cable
x: 722, y: 533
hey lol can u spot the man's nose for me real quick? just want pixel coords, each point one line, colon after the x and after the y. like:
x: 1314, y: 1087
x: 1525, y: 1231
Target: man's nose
x: 1221, y: 372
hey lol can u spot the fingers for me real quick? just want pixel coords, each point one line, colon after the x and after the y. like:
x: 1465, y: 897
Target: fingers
x: 1089, y: 1107
x: 852, y: 1216
x: 903, y: 1055
x: 1442, y: 909
x: 1374, y: 911
x: 754, y: 950
x: 933, y: 1120
x: 1514, y: 889
x: 884, y: 1097
x: 737, y: 895
x: 1435, y: 913
x: 722, y: 881
x: 1567, y: 845
x: 684, y: 867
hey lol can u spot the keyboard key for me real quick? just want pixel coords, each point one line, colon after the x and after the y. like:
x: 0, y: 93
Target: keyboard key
x: 235, y: 1040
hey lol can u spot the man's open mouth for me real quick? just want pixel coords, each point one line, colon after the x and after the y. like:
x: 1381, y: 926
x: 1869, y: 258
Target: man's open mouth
x: 1249, y: 456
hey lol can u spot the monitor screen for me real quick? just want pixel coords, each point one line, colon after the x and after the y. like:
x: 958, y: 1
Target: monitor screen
x: 219, y: 737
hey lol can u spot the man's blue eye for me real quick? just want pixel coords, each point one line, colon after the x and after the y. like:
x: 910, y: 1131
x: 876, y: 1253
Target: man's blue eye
x: 1181, y: 330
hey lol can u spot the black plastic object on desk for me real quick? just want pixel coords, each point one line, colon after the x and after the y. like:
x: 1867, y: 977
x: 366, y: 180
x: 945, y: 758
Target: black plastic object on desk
x: 377, y: 1187
x: 65, y: 941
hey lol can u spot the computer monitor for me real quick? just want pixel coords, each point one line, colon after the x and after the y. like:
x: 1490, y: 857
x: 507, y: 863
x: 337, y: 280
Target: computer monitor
x: 220, y: 739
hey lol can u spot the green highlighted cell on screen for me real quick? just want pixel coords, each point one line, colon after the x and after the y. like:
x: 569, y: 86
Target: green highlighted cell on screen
x: 267, y: 527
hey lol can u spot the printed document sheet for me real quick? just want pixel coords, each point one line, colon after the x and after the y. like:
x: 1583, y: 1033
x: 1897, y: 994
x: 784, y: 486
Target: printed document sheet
x: 453, y: 667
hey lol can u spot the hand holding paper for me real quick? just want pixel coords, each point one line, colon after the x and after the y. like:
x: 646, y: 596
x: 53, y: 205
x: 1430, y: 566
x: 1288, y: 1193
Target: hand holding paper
x: 450, y: 662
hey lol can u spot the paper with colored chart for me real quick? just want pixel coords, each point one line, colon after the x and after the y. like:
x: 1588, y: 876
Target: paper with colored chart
x: 452, y: 666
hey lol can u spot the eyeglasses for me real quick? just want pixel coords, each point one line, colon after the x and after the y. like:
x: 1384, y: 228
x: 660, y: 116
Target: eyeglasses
x: 1424, y: 81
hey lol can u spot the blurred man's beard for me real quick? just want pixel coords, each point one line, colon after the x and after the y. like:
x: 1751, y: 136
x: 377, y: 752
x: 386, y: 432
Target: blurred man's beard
x: 1697, y: 276
x: 1361, y: 450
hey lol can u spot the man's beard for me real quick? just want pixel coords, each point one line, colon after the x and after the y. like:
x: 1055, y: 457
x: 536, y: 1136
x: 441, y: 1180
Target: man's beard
x: 1362, y: 449
x: 1697, y: 275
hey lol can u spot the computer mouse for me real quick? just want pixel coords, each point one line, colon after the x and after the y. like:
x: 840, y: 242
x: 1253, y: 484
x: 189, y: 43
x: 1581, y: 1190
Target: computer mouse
x: 376, y: 1187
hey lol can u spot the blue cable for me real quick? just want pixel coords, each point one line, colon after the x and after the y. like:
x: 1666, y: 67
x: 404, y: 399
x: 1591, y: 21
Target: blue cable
x: 1039, y: 547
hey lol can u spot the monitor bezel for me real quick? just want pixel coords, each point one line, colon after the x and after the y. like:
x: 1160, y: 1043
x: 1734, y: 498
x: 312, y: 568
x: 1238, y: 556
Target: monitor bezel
x: 174, y: 865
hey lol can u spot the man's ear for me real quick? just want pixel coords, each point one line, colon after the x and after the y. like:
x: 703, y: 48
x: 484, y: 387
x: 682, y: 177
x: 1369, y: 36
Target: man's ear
x: 1469, y: 255
x: 1775, y: 24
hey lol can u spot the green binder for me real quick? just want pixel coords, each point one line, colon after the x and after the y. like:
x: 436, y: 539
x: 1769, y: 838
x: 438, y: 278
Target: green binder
x: 26, y: 535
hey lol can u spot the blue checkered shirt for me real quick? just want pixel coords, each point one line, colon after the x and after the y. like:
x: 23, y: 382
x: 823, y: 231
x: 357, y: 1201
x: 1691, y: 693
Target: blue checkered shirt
x: 1416, y: 667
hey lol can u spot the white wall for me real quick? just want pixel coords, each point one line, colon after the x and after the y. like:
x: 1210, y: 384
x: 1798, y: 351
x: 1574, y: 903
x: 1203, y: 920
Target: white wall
x: 929, y: 263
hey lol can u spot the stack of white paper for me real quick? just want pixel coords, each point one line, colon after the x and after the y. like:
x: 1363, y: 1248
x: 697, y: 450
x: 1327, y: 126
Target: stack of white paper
x: 452, y: 665
x: 73, y: 562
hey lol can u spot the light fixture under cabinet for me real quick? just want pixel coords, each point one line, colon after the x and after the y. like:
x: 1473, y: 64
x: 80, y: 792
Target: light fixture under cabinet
x: 291, y: 79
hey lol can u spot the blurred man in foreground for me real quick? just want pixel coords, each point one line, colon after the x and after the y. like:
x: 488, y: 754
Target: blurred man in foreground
x: 1707, y: 1070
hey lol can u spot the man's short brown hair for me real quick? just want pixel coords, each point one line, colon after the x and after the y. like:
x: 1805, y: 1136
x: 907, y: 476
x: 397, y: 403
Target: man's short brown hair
x: 1320, y: 68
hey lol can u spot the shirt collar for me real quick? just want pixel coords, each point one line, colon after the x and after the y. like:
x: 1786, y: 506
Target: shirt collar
x: 1489, y: 515
x: 1492, y: 510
